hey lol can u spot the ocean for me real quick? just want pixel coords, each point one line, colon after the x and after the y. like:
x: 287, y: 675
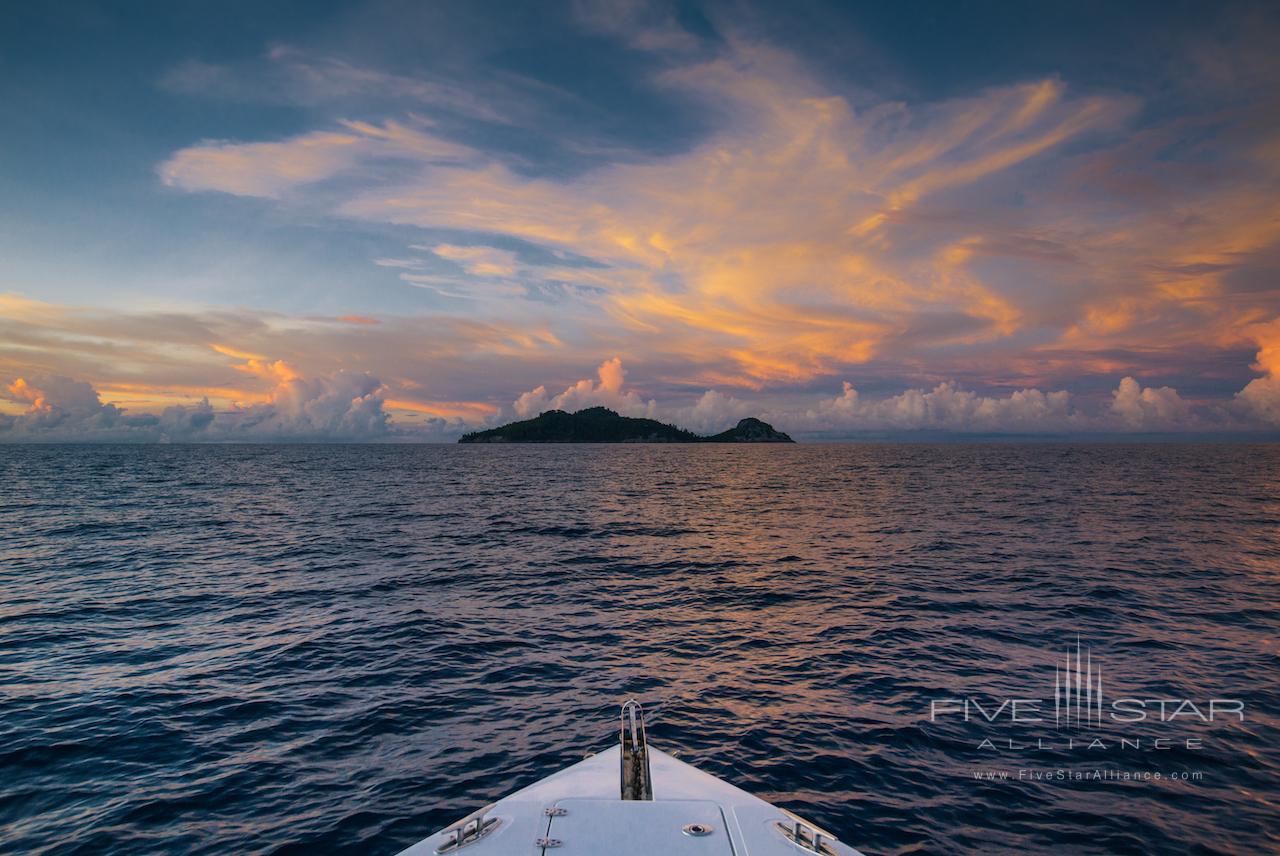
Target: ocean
x: 342, y: 649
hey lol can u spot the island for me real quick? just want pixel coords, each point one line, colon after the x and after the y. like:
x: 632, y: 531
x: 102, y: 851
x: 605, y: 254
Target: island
x: 602, y: 425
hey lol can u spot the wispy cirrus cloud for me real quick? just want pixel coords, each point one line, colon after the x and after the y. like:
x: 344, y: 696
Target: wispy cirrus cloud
x: 262, y: 169
x: 269, y: 169
x: 791, y: 240
x: 289, y: 75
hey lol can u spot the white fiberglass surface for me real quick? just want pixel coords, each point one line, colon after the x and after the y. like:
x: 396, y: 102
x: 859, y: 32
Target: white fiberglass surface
x: 595, y: 822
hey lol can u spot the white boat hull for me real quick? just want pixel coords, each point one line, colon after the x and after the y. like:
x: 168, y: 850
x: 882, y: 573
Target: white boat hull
x: 578, y: 812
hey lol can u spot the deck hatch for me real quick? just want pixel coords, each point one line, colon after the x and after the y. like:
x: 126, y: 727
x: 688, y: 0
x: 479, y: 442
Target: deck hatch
x: 641, y: 828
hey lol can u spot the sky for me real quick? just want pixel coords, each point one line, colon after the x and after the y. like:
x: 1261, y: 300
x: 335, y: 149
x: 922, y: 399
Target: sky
x: 401, y: 221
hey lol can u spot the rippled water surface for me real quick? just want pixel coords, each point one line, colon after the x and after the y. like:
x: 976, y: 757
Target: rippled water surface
x: 341, y: 649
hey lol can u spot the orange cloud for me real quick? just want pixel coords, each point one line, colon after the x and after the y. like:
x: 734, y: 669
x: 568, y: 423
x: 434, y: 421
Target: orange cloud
x: 276, y: 371
x: 467, y: 411
x: 607, y: 391
x: 1262, y: 395
x: 777, y: 228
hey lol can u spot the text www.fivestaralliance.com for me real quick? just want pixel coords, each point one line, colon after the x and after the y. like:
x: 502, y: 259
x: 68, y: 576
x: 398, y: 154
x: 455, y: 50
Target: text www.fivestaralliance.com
x: 1062, y: 774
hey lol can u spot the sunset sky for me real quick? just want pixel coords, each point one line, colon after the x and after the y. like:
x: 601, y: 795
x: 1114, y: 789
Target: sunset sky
x: 396, y: 220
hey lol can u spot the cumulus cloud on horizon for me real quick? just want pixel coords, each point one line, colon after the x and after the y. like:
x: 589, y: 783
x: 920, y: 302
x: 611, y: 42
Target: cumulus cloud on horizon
x: 606, y: 391
x: 350, y: 407
x: 1261, y: 396
x: 343, y: 407
x: 946, y: 408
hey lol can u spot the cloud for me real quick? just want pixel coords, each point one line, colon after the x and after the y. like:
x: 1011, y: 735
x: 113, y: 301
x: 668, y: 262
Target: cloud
x: 56, y: 404
x: 261, y: 169
x: 781, y: 241
x: 649, y: 26
x: 607, y: 391
x: 158, y: 375
x: 148, y: 360
x: 947, y: 408
x: 494, y: 275
x: 479, y: 261
x: 64, y: 409
x: 345, y: 406
x: 54, y: 398
x: 473, y: 272
x: 270, y: 169
x: 1034, y: 235
x: 354, y: 407
x: 532, y: 403
x: 1260, y: 399
x: 713, y: 412
x: 289, y: 75
x: 1149, y: 408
